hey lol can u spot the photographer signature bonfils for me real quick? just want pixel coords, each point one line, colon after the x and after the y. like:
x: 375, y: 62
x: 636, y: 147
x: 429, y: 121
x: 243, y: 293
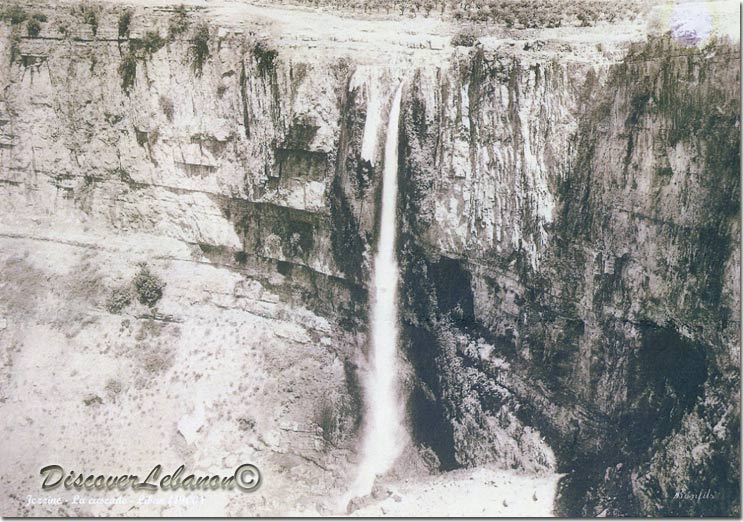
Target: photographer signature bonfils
x: 246, y: 478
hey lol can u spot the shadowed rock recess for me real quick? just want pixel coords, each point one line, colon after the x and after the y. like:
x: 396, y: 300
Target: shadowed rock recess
x: 569, y: 248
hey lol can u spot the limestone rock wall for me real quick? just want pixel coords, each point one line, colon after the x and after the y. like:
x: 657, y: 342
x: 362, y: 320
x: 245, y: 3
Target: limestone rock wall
x: 611, y: 290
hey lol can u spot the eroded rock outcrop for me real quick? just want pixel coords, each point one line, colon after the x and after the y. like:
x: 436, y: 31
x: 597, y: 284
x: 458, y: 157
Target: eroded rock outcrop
x: 617, y: 314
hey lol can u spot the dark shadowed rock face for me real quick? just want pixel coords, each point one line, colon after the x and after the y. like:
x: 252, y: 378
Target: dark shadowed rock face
x: 623, y: 338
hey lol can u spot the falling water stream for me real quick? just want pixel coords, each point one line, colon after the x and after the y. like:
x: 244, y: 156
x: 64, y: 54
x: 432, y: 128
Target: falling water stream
x: 384, y: 434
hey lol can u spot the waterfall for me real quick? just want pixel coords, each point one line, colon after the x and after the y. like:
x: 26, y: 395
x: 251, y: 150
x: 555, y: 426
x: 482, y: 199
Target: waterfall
x: 384, y: 433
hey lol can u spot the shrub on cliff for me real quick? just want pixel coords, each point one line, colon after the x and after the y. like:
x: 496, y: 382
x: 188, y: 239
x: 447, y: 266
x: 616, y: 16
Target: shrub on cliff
x: 15, y: 45
x: 13, y: 14
x: 33, y: 28
x: 139, y: 48
x: 464, y: 38
x: 119, y: 299
x: 200, y: 49
x: 63, y: 28
x: 167, y: 106
x: 128, y: 71
x: 148, y: 286
x: 125, y: 22
x: 179, y: 23
x: 149, y: 44
x: 265, y: 57
x: 89, y: 14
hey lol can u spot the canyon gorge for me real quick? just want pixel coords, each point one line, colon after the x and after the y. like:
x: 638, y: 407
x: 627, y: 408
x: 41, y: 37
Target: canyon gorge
x: 192, y: 199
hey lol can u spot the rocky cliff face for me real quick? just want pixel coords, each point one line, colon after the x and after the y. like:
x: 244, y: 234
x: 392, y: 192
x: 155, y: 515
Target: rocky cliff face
x: 569, y: 226
x: 610, y: 287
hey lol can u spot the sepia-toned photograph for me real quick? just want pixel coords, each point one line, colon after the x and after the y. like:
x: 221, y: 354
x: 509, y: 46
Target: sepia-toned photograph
x: 370, y: 258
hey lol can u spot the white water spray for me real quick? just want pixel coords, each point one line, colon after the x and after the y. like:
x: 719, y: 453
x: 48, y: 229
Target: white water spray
x: 384, y: 433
